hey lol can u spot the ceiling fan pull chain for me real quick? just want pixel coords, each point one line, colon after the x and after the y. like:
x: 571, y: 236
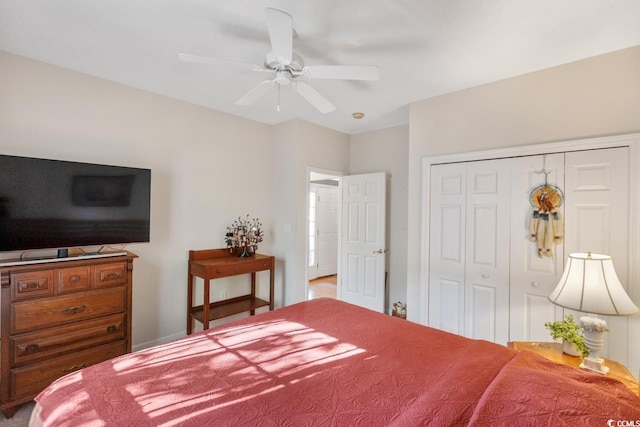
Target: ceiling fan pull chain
x: 278, y: 106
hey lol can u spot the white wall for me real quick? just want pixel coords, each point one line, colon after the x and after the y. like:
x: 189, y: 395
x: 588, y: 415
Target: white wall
x: 387, y: 151
x: 207, y: 168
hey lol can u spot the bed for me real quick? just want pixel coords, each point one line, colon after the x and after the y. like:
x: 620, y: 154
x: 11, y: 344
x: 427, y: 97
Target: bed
x: 329, y: 363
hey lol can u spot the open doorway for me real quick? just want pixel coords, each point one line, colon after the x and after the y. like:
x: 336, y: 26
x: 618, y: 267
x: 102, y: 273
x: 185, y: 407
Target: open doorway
x: 323, y: 234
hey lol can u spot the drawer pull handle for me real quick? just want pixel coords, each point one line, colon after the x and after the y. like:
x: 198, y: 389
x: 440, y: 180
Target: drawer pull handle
x: 33, y: 285
x: 74, y: 278
x: 113, y: 275
x: 111, y: 328
x: 32, y: 348
x: 74, y: 368
x: 75, y: 310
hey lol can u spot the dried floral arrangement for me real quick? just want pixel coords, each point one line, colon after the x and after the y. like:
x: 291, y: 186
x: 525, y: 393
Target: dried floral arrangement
x: 244, y: 233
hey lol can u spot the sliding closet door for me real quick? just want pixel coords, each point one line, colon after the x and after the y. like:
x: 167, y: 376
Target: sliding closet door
x: 597, y: 220
x: 447, y: 247
x: 532, y: 277
x: 487, y: 250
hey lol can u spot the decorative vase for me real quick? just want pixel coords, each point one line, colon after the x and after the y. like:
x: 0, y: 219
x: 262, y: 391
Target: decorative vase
x: 570, y: 348
x: 247, y: 251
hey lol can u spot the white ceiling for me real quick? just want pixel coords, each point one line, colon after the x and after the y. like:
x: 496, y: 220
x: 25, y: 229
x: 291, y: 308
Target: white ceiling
x: 424, y: 48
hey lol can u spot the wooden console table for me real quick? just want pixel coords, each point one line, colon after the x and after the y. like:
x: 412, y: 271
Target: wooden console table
x: 218, y: 263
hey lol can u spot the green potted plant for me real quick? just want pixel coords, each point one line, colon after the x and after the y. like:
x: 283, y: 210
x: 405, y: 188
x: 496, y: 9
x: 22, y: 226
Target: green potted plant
x: 572, y: 336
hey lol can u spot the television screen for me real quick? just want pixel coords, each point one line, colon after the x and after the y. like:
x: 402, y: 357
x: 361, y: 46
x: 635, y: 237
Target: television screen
x: 46, y: 204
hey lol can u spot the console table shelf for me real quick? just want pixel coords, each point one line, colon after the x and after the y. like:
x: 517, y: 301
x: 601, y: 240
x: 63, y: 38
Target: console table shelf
x: 220, y: 309
x: 218, y: 263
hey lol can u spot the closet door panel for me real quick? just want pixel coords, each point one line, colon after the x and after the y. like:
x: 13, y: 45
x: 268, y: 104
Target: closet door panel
x: 482, y: 316
x: 448, y: 296
x: 487, y: 250
x: 597, y: 220
x: 532, y: 277
x: 447, y: 255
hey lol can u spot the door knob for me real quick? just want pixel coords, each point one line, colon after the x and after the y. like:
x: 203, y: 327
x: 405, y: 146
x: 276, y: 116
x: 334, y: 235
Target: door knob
x: 380, y: 251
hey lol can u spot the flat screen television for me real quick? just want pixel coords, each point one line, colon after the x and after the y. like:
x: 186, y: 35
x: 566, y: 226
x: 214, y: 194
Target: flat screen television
x: 53, y: 204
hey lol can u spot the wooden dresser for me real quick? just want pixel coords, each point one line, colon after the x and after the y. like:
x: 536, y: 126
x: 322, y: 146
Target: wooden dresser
x: 59, y: 317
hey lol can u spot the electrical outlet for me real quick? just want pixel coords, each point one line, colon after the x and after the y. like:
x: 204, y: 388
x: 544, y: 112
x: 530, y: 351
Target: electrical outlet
x: 223, y: 294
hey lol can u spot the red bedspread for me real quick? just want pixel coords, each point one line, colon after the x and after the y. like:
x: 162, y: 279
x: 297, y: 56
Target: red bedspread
x: 328, y: 363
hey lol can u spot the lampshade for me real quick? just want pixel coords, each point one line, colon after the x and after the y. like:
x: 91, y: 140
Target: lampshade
x: 590, y: 284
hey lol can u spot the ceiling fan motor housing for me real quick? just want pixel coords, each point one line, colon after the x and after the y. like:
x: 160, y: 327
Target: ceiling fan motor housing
x: 295, y: 66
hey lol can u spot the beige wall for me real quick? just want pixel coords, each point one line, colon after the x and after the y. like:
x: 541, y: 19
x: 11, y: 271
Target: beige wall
x: 298, y: 146
x: 207, y: 168
x: 593, y: 97
x: 387, y: 151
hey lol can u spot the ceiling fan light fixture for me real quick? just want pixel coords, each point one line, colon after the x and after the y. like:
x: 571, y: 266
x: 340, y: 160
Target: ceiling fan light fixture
x: 357, y: 115
x: 283, y: 77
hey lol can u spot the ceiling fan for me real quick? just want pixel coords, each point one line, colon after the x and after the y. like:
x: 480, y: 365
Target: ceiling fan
x: 287, y: 67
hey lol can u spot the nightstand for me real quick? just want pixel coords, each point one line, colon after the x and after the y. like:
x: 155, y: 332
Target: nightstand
x: 553, y: 351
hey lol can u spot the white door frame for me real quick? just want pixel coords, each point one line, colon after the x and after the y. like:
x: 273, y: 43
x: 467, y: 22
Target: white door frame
x: 335, y: 173
x: 312, y: 271
x: 630, y: 140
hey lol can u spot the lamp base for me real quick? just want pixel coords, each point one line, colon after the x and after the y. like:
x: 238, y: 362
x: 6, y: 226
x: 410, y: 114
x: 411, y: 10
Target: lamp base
x: 595, y: 365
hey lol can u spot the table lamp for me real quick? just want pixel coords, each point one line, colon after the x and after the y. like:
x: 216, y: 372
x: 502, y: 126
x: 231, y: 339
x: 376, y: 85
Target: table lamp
x: 590, y: 284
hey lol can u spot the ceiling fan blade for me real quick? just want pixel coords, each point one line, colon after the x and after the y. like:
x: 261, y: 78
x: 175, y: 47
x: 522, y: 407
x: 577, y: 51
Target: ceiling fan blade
x: 280, y: 26
x: 313, y: 97
x: 342, y: 72
x: 255, y: 93
x: 197, y: 59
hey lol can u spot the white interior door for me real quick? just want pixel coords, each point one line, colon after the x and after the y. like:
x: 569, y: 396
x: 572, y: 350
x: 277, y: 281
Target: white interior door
x: 327, y: 230
x: 447, y: 247
x: 469, y: 249
x: 487, y: 250
x: 597, y: 220
x: 532, y: 277
x: 361, y: 280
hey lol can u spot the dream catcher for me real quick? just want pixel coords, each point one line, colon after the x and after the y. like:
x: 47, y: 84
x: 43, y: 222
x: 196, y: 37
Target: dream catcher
x: 546, y: 227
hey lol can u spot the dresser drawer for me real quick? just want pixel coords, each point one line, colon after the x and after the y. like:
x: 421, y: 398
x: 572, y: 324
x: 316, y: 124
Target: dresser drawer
x: 74, y: 279
x: 114, y: 274
x: 32, y: 284
x: 30, y: 315
x: 32, y: 379
x: 34, y: 346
